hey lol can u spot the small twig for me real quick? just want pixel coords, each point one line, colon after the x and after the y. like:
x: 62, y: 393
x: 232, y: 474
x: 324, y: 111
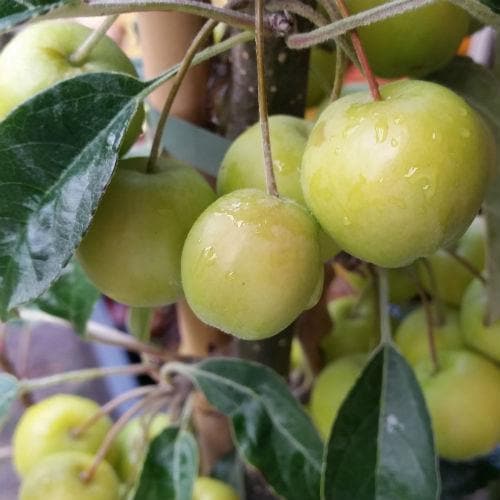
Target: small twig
x: 330, y: 8
x: 340, y: 65
x: 383, y: 295
x: 82, y: 53
x: 110, y: 406
x: 299, y: 9
x: 363, y: 59
x: 436, y: 299
x: 262, y: 98
x: 468, y: 265
x: 197, y: 42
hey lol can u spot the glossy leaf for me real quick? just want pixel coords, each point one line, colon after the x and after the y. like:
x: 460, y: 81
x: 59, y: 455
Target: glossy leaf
x: 170, y: 468
x: 381, y: 446
x: 71, y: 297
x: 271, y: 430
x: 481, y: 88
x: 14, y: 12
x: 58, y: 152
x: 8, y: 394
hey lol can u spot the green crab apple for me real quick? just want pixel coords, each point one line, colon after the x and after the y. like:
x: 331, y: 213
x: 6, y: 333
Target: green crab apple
x: 412, y: 340
x: 40, y: 56
x: 394, y: 180
x: 49, y: 427
x: 463, y: 398
x: 331, y: 388
x: 251, y: 264
x: 477, y: 334
x: 208, y: 488
x: 59, y: 477
x: 243, y: 164
x: 132, y: 251
x: 320, y: 76
x: 451, y: 277
x: 414, y: 43
x: 402, y: 285
x: 132, y: 443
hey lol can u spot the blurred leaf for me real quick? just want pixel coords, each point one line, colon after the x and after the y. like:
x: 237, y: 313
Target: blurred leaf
x: 231, y: 470
x: 59, y: 150
x: 8, y: 394
x: 14, y: 12
x: 71, y: 297
x: 170, y: 468
x: 139, y: 322
x: 481, y: 88
x: 381, y: 446
x: 272, y: 431
x: 494, y: 5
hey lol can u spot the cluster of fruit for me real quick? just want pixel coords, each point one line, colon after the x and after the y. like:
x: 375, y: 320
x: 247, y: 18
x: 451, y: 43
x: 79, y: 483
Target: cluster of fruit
x: 463, y: 394
x: 54, y: 444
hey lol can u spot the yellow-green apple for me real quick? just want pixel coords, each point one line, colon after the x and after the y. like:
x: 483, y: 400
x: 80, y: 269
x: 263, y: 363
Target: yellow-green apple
x: 402, y: 285
x: 208, y: 488
x: 320, y: 75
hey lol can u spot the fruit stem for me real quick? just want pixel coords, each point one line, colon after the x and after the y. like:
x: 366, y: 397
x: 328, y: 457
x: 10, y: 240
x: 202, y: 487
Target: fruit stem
x: 438, y: 305
x: 340, y: 65
x: 110, y: 406
x: 197, y: 42
x: 87, y: 475
x: 363, y: 59
x: 383, y: 297
x: 468, y: 265
x: 262, y: 99
x: 82, y: 53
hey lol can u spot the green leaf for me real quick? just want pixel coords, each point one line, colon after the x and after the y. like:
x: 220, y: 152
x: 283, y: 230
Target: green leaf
x: 71, y: 297
x: 59, y: 150
x: 8, y: 394
x: 494, y: 5
x: 271, y: 430
x: 381, y: 446
x: 14, y: 12
x: 170, y: 468
x: 481, y: 88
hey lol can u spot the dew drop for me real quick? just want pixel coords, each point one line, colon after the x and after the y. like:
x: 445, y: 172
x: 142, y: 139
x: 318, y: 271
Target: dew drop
x: 381, y: 130
x: 346, y: 221
x: 411, y: 172
x: 397, y: 120
x: 394, y: 143
x: 209, y: 253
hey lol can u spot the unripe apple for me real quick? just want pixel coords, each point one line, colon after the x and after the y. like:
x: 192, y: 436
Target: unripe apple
x: 59, y: 477
x: 397, y: 179
x: 208, y: 488
x: 463, y: 398
x: 39, y: 57
x: 251, y: 264
x: 132, y: 443
x: 48, y: 427
x: 412, y: 334
x: 331, y: 388
x: 132, y: 251
x: 243, y: 164
x: 477, y: 334
x: 414, y: 43
x: 402, y: 285
x: 320, y: 76
x: 451, y: 277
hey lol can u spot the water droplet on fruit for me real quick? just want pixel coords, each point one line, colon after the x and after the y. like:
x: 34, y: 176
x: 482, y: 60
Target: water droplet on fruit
x: 411, y: 172
x: 346, y: 221
x: 209, y: 253
x: 381, y: 180
x: 337, y: 150
x: 394, y: 143
x: 397, y: 120
x: 434, y: 136
x: 381, y: 130
x: 230, y: 275
x: 278, y: 165
x: 465, y: 133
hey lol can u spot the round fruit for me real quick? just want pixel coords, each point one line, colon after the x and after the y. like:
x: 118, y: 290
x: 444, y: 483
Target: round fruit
x: 402, y: 286
x: 132, y: 251
x: 452, y: 278
x: 48, y: 426
x: 331, y: 388
x: 394, y: 180
x: 463, y: 398
x: 59, y: 477
x: 39, y: 57
x: 484, y: 338
x: 207, y: 488
x: 414, y: 43
x: 412, y: 339
x: 251, y: 264
x: 243, y: 165
x: 320, y: 76
x: 132, y: 443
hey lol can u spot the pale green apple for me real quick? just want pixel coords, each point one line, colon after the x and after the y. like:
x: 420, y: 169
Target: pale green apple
x: 59, y: 477
x: 394, y: 180
x: 412, y: 334
x: 402, y: 285
x: 451, y: 277
x: 414, y: 43
x: 251, y: 264
x: 39, y: 57
x: 48, y: 427
x: 477, y: 334
x: 208, y: 488
x: 132, y: 251
x: 243, y: 164
x: 320, y: 76
x: 463, y: 398
x: 331, y: 388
